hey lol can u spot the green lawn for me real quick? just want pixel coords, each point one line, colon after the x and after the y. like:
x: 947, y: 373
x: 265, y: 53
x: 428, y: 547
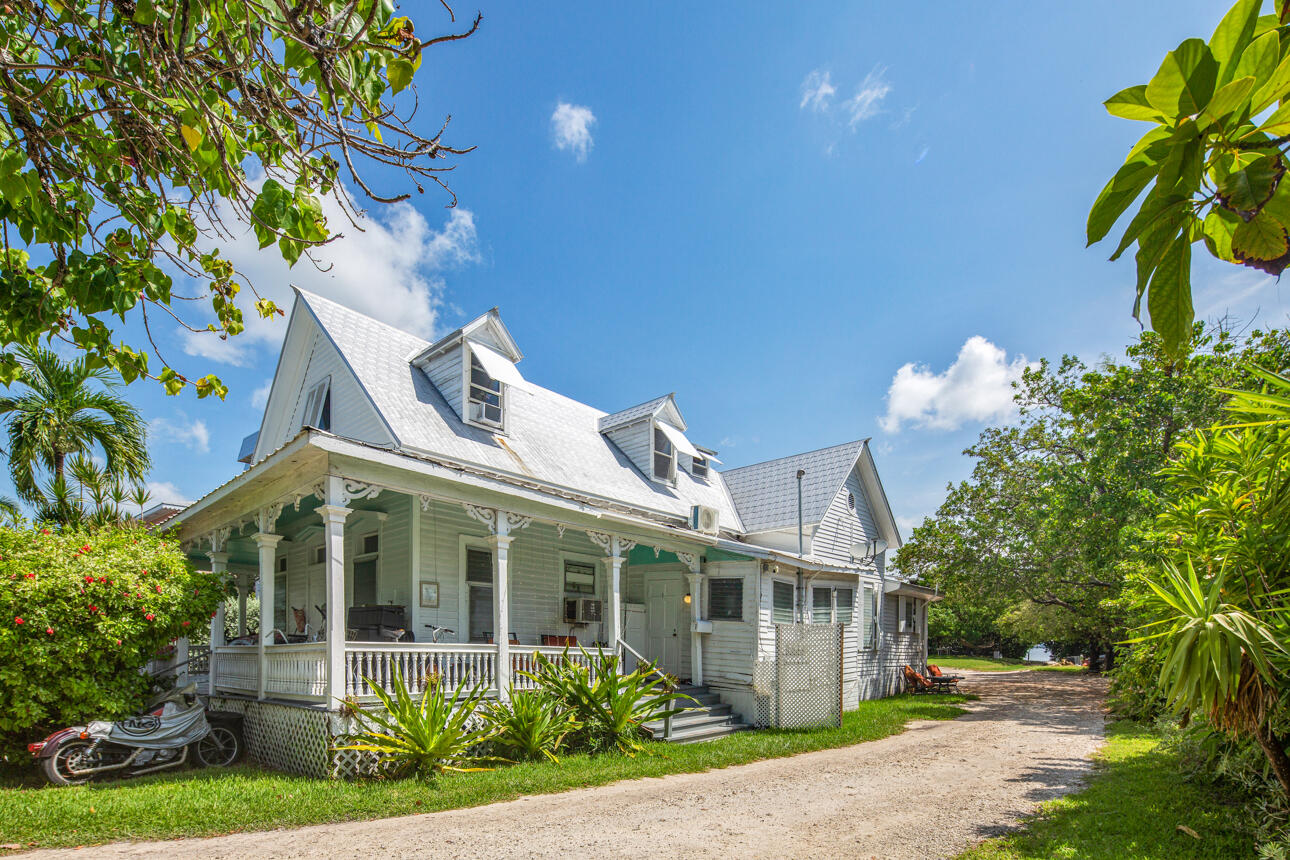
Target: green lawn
x: 1131, y: 810
x: 207, y: 802
x: 989, y: 664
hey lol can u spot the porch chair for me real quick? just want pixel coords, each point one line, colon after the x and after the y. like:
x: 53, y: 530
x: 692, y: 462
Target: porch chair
x: 490, y: 640
x: 556, y: 640
x: 916, y: 683
x: 942, y: 682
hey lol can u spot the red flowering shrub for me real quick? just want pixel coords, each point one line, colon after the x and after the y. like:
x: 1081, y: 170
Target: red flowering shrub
x: 77, y: 623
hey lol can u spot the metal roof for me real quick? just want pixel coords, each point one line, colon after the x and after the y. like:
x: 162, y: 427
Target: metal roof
x: 549, y: 437
x: 766, y: 493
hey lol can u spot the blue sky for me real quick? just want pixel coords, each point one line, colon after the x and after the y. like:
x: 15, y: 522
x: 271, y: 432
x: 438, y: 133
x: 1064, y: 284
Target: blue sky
x: 814, y: 223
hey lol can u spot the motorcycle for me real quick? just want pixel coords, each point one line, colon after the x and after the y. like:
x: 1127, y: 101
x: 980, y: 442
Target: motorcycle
x: 161, y: 737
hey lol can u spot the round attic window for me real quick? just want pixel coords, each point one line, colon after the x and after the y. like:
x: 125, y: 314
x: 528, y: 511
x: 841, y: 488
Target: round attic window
x: 851, y: 501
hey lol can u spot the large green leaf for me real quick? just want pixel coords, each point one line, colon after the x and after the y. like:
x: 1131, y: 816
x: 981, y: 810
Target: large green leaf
x: 1260, y: 239
x: 1232, y: 97
x: 1260, y: 57
x: 1157, y: 211
x: 1122, y: 190
x: 1245, y: 191
x: 1169, y: 298
x: 1185, y: 81
x: 1217, y: 229
x: 1278, y: 123
x: 1274, y: 88
x: 1232, y: 35
x: 1132, y: 103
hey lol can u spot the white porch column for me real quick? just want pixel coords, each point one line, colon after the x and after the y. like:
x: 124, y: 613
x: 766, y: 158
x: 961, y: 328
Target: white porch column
x: 219, y: 566
x: 243, y: 589
x: 696, y: 609
x: 268, y: 546
x: 613, y: 630
x: 502, y: 605
x: 334, y: 529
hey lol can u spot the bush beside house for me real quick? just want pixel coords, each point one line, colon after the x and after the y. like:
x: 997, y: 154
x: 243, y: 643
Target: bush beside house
x: 81, y: 612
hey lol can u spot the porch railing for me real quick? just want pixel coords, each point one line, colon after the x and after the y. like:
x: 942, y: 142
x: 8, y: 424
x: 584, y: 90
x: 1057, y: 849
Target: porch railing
x: 236, y: 668
x: 297, y: 671
x: 373, y: 664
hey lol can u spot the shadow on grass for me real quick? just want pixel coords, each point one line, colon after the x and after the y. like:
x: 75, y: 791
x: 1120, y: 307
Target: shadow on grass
x: 1132, y: 807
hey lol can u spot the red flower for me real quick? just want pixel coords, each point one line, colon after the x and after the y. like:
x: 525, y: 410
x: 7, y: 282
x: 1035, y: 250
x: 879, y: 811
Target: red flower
x: 158, y: 589
x: 185, y: 624
x: 17, y: 619
x: 89, y: 579
x: 93, y: 608
x: 138, y: 595
x: 44, y: 531
x: 31, y: 576
x: 149, y: 616
x: 118, y: 641
x: 85, y: 548
x: 49, y: 630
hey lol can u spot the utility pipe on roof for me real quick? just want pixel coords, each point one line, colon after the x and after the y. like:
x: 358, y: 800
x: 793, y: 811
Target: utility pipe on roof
x: 801, y: 551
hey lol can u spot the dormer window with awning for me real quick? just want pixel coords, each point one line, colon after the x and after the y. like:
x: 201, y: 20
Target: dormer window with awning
x: 490, y: 374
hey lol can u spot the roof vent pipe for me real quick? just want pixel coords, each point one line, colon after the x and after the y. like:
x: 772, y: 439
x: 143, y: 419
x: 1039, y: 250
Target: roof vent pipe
x: 801, y: 551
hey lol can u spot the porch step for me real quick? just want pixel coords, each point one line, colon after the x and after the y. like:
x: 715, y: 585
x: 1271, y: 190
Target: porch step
x: 708, y: 720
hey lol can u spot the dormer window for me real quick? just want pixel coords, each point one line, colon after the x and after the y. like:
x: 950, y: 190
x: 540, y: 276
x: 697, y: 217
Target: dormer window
x: 485, y: 397
x: 317, y: 411
x: 664, y: 456
x: 699, y: 467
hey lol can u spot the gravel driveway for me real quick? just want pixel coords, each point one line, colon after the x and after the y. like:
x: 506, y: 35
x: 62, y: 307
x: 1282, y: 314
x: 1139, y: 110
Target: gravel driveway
x: 929, y: 792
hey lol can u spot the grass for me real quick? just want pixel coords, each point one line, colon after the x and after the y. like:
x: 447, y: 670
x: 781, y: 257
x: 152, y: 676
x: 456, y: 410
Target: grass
x: 990, y: 664
x: 1132, y: 809
x: 209, y: 802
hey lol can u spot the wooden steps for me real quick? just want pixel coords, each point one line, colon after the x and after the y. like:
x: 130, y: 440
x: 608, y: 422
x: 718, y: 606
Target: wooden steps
x: 706, y: 719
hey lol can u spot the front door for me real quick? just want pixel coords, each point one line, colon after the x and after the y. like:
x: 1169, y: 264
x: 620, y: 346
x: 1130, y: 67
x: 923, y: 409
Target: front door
x: 669, y: 631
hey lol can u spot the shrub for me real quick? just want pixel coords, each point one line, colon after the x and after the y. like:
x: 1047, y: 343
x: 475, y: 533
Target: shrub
x: 612, y: 709
x: 425, y: 738
x: 81, y: 612
x: 531, y: 726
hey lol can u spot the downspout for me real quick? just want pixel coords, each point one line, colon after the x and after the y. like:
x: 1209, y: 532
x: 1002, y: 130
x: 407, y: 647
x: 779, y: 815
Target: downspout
x: 801, y: 552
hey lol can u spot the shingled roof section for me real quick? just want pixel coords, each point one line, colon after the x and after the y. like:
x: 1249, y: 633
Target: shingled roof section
x: 766, y: 493
x: 631, y: 413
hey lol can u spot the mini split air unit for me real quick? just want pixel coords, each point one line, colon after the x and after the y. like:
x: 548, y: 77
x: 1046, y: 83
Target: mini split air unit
x: 704, y: 519
x: 583, y: 610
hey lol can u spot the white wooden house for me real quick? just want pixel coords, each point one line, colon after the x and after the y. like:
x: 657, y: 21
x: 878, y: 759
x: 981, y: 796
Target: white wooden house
x: 432, y: 486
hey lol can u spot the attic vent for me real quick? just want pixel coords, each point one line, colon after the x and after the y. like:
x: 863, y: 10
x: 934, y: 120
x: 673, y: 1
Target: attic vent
x: 851, y: 501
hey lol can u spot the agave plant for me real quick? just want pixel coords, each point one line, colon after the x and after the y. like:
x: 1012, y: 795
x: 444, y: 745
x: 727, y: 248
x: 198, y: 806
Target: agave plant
x: 423, y: 738
x: 611, y: 708
x: 532, y: 725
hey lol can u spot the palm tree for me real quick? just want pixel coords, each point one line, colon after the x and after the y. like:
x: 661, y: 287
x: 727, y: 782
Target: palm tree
x: 62, y: 414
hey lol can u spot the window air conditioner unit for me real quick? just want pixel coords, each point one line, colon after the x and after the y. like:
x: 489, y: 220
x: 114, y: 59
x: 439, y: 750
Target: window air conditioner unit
x: 704, y: 519
x: 583, y: 610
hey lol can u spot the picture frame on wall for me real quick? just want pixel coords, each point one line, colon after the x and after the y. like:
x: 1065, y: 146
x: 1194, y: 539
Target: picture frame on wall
x: 429, y: 594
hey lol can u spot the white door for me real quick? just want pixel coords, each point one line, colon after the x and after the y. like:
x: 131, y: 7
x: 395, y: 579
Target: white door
x: 634, y: 633
x: 668, y: 628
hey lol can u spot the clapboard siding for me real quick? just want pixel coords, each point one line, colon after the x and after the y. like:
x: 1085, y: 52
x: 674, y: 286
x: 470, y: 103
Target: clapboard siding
x: 445, y: 372
x: 730, y: 649
x: 634, y: 441
x: 841, y: 527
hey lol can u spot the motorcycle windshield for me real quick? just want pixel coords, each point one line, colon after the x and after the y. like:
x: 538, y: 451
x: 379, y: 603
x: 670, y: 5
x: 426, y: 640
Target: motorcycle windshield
x: 174, y: 728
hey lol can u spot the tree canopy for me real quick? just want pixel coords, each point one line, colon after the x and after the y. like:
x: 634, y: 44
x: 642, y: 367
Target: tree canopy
x: 128, y: 128
x: 1213, y: 160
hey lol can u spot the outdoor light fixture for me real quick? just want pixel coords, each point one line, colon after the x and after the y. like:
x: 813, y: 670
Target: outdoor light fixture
x: 687, y: 598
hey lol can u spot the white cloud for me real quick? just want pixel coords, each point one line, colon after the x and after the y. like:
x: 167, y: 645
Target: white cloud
x: 389, y: 269
x: 571, y: 129
x: 867, y: 102
x: 158, y: 492
x: 906, y: 525
x: 976, y: 387
x: 191, y: 434
x: 817, y: 90
x: 260, y: 396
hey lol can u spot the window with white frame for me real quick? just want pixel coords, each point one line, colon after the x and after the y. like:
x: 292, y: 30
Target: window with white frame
x: 821, y: 605
x: 365, y: 569
x: 907, y: 614
x: 664, y: 456
x: 782, y: 602
x: 830, y: 604
x: 726, y: 598
x: 699, y: 467
x: 318, y: 554
x: 579, y: 579
x: 317, y: 411
x: 844, y: 605
x: 484, y: 400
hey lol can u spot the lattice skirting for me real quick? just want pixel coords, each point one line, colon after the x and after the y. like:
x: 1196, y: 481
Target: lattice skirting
x: 298, y: 739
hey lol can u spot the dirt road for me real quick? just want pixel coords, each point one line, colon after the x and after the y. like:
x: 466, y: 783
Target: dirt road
x: 929, y: 792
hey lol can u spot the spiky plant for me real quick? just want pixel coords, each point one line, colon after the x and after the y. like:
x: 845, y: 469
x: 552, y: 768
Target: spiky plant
x: 531, y: 726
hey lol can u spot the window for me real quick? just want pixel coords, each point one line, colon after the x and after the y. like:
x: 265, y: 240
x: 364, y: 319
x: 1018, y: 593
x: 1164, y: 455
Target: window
x: 726, y: 598
x: 845, y: 608
x: 479, y: 566
x: 282, y: 565
x: 821, y: 605
x: 371, y: 543
x: 907, y: 614
x: 317, y: 411
x: 699, y: 467
x: 479, y: 594
x: 485, y: 400
x: 664, y: 457
x: 579, y: 578
x: 365, y: 569
x: 318, y: 555
x: 783, y: 602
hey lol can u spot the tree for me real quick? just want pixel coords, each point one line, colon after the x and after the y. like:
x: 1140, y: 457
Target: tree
x: 70, y: 408
x: 1058, y: 506
x: 1213, y: 159
x: 129, y: 127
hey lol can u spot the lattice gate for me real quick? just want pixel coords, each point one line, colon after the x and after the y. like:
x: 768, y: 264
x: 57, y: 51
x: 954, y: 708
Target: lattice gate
x: 805, y: 681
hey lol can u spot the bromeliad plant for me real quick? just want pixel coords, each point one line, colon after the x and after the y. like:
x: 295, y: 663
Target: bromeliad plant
x: 531, y: 726
x: 611, y: 708
x: 437, y: 734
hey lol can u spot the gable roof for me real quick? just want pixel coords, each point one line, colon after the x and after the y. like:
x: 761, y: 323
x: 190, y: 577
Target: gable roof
x: 550, y: 438
x: 649, y: 408
x: 766, y: 493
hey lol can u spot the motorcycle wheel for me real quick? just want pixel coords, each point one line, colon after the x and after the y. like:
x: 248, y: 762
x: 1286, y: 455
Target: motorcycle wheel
x: 59, y: 766
x: 221, y: 748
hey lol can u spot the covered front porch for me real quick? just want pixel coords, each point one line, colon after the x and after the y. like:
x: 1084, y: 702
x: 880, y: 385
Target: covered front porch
x: 427, y: 572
